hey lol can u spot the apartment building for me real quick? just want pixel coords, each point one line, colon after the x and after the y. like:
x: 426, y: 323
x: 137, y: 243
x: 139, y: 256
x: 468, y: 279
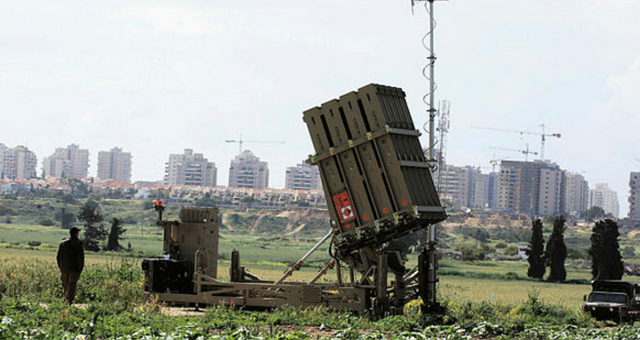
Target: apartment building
x: 634, y: 196
x: 602, y: 196
x: 531, y: 187
x: 190, y: 169
x: 69, y: 162
x: 115, y: 164
x: 247, y: 171
x: 576, y: 193
x: 17, y: 162
x: 464, y: 186
x: 303, y: 177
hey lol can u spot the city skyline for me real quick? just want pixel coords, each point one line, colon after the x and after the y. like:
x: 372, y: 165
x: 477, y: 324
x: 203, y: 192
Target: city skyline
x: 536, y: 187
x: 140, y: 75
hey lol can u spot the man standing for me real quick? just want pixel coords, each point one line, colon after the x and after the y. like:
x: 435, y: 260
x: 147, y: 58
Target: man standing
x: 70, y: 261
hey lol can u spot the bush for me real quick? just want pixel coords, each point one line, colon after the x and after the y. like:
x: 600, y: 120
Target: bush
x: 6, y: 211
x: 511, y: 250
x: 628, y: 252
x: 576, y: 254
x: 470, y: 254
x: 47, y: 222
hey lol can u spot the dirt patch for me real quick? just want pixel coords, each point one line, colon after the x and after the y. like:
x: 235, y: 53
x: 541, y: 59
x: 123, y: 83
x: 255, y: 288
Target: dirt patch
x: 633, y: 233
x: 297, y: 230
x: 255, y: 225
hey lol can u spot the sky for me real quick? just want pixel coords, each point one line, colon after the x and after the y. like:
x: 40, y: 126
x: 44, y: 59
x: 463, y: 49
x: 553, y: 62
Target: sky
x: 156, y: 77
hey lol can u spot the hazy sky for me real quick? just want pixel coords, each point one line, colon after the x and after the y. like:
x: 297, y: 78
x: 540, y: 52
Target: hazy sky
x: 155, y: 77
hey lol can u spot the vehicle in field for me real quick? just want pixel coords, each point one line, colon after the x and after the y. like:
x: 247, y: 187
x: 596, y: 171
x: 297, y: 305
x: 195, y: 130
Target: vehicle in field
x: 613, y: 300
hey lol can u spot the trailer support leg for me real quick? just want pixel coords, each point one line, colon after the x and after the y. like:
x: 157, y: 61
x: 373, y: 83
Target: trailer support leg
x: 382, y: 297
x: 399, y: 294
x: 427, y: 266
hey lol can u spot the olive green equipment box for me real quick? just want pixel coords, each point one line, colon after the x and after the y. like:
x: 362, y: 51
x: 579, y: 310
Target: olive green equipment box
x: 374, y: 172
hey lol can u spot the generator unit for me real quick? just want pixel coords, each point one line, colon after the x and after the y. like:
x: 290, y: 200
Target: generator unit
x: 189, y: 245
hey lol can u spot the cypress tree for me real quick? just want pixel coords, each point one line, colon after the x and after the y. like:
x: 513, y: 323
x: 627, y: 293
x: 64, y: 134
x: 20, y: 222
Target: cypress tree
x: 557, y: 251
x: 535, y: 252
x: 115, y: 234
x: 606, y: 261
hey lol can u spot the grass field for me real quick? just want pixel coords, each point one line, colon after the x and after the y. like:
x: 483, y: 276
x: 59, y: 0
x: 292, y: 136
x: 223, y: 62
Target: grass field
x: 459, y: 281
x: 485, y: 299
x: 111, y: 289
x: 498, y: 281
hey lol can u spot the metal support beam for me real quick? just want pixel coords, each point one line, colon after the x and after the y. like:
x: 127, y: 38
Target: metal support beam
x: 324, y: 270
x: 298, y: 264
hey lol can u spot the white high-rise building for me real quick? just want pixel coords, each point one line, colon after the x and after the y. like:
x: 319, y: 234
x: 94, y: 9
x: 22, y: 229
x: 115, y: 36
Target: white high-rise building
x: 18, y: 162
x: 303, y: 177
x: 454, y: 185
x: 190, y: 169
x: 4, y: 154
x: 69, y: 162
x: 464, y: 186
x: 115, y: 164
x: 576, y: 193
x: 247, y: 171
x: 602, y: 196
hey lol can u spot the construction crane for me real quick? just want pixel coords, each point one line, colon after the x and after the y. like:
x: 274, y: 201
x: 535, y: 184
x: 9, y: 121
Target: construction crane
x: 241, y: 141
x: 494, y: 162
x: 542, y: 134
x: 526, y: 152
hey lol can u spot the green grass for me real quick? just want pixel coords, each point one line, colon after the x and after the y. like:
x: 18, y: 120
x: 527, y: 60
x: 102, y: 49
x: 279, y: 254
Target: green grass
x: 111, y: 290
x: 492, y: 299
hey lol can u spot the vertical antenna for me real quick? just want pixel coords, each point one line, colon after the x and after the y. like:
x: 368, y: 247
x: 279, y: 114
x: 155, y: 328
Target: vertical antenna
x: 431, y: 108
x: 432, y: 85
x: 427, y: 258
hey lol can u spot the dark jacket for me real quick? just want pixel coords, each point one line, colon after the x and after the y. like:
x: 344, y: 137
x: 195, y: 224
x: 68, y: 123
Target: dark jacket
x: 71, y: 255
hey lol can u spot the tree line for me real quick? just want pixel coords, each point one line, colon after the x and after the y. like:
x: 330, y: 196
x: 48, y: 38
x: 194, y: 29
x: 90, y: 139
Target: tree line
x: 606, y: 260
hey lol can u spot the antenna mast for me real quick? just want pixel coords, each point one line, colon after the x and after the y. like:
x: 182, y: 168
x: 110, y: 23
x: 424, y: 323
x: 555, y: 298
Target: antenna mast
x: 443, y: 129
x: 429, y: 98
x: 427, y: 258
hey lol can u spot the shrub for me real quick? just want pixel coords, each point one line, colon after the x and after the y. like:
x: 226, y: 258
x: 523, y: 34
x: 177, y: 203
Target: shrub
x: 511, y: 250
x: 5, y: 211
x: 470, y: 254
x: 47, y: 222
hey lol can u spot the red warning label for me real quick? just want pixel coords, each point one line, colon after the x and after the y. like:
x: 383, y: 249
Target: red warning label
x: 343, y: 207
